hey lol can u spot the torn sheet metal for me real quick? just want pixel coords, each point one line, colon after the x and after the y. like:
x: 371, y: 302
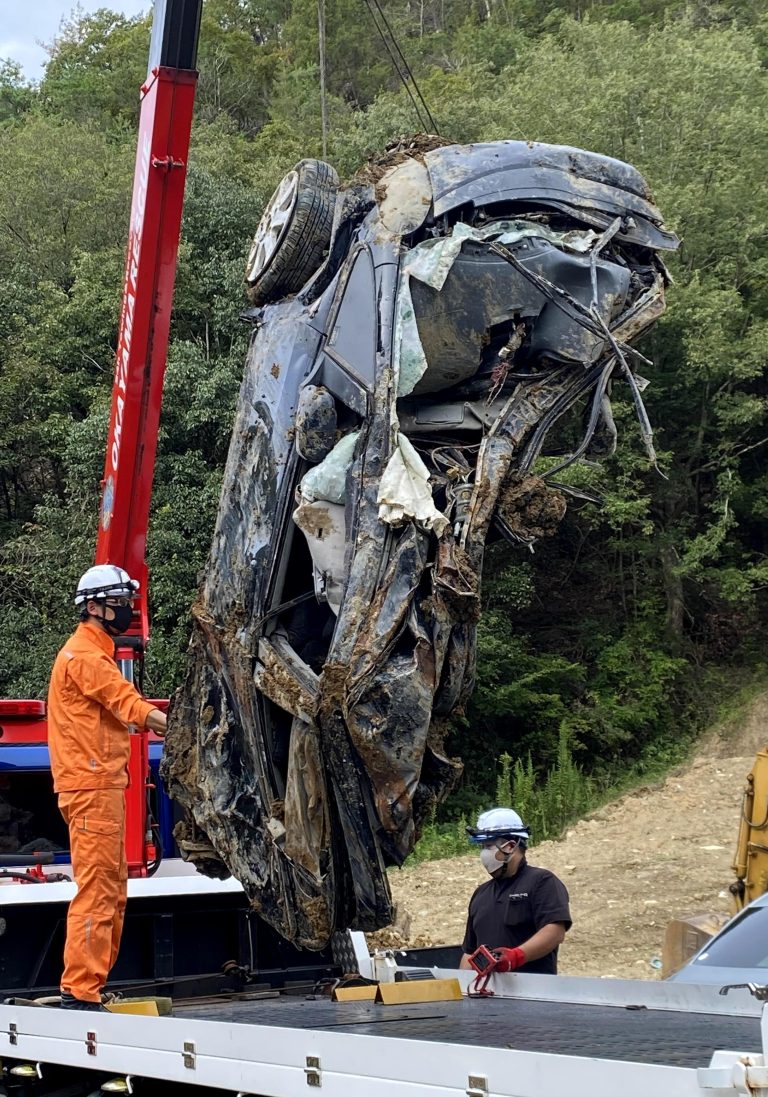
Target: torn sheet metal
x: 334, y: 637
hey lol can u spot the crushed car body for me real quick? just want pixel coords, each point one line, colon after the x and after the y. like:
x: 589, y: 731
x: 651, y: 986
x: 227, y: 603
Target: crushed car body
x: 420, y: 338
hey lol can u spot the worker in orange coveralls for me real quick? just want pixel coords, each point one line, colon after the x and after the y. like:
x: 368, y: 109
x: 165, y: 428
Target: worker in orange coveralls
x: 90, y: 706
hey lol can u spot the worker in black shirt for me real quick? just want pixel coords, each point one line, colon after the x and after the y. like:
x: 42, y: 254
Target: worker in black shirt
x: 521, y: 908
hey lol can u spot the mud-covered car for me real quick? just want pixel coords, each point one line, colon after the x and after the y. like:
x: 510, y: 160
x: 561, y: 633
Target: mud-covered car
x: 418, y: 336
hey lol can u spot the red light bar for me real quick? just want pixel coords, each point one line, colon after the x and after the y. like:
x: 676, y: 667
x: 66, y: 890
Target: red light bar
x: 28, y: 710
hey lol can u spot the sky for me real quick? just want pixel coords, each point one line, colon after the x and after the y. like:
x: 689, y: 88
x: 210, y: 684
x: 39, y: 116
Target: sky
x: 24, y: 24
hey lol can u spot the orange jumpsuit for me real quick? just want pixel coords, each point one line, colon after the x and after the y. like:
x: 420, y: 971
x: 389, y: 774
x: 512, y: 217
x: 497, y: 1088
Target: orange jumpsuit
x: 89, y: 706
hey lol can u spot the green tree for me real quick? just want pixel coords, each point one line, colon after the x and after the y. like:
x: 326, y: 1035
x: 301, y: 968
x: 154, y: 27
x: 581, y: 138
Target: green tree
x: 97, y: 65
x: 16, y: 94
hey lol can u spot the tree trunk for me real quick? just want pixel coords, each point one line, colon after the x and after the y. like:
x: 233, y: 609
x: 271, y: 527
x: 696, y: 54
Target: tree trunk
x: 673, y: 589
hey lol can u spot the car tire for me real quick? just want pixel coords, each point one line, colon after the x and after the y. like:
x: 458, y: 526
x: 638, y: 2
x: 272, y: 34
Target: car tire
x: 294, y: 232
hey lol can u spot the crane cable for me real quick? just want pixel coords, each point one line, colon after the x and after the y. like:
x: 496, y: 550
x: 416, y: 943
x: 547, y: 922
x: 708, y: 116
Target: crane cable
x: 430, y: 125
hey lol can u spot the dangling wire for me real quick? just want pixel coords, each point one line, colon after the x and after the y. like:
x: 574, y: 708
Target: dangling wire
x: 426, y: 121
x: 593, y: 322
x: 600, y: 390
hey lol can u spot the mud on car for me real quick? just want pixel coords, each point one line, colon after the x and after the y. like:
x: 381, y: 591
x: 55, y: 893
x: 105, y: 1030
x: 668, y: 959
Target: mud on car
x: 420, y: 336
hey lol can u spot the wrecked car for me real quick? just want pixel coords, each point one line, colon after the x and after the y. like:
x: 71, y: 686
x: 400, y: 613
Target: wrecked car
x: 420, y: 336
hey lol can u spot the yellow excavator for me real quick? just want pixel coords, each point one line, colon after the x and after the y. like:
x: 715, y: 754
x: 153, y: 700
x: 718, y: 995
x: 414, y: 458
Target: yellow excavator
x: 751, y: 861
x: 685, y: 936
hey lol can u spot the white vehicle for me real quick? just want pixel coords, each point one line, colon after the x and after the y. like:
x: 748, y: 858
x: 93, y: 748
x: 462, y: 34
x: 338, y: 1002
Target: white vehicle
x: 738, y: 953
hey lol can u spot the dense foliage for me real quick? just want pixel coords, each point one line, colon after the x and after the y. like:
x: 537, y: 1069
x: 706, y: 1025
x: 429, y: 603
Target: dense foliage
x: 606, y: 643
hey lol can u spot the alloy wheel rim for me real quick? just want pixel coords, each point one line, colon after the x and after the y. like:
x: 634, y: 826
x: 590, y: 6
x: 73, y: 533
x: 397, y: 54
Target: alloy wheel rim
x: 272, y: 227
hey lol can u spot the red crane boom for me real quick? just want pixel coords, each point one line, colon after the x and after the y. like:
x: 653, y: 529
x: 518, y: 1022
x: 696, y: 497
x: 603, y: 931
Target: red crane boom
x: 167, y: 103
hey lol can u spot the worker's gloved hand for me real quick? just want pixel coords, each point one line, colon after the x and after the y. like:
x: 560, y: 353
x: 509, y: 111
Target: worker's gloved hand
x: 508, y: 959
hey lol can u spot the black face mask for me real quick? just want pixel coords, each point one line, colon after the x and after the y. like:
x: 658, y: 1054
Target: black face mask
x: 121, y: 622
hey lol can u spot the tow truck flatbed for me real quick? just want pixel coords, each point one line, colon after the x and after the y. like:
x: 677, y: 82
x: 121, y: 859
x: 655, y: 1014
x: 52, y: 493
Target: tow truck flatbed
x: 540, y: 1036
x: 561, y: 1028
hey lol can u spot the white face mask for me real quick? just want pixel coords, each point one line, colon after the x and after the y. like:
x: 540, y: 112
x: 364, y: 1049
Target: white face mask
x: 491, y: 863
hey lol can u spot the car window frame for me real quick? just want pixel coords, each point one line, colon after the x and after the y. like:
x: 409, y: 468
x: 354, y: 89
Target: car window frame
x: 329, y: 348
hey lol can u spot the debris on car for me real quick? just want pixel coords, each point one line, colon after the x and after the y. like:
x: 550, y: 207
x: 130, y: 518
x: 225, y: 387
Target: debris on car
x: 420, y: 338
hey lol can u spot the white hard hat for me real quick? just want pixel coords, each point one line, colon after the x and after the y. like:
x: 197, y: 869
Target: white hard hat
x: 105, y: 581
x: 498, y: 823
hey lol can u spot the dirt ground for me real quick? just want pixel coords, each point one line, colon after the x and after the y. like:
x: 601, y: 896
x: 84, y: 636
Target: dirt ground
x: 656, y: 854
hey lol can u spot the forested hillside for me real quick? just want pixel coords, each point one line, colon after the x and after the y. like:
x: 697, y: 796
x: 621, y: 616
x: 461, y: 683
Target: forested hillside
x: 612, y: 640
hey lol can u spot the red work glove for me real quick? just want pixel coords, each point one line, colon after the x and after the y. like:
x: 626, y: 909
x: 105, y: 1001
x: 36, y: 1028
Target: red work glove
x: 508, y: 959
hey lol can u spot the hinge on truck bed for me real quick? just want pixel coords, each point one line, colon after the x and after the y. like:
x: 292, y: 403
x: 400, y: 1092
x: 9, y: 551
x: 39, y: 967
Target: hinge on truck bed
x: 477, y: 1086
x: 90, y: 1043
x: 189, y: 1055
x: 313, y: 1072
x: 13, y: 1033
x: 730, y: 1072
